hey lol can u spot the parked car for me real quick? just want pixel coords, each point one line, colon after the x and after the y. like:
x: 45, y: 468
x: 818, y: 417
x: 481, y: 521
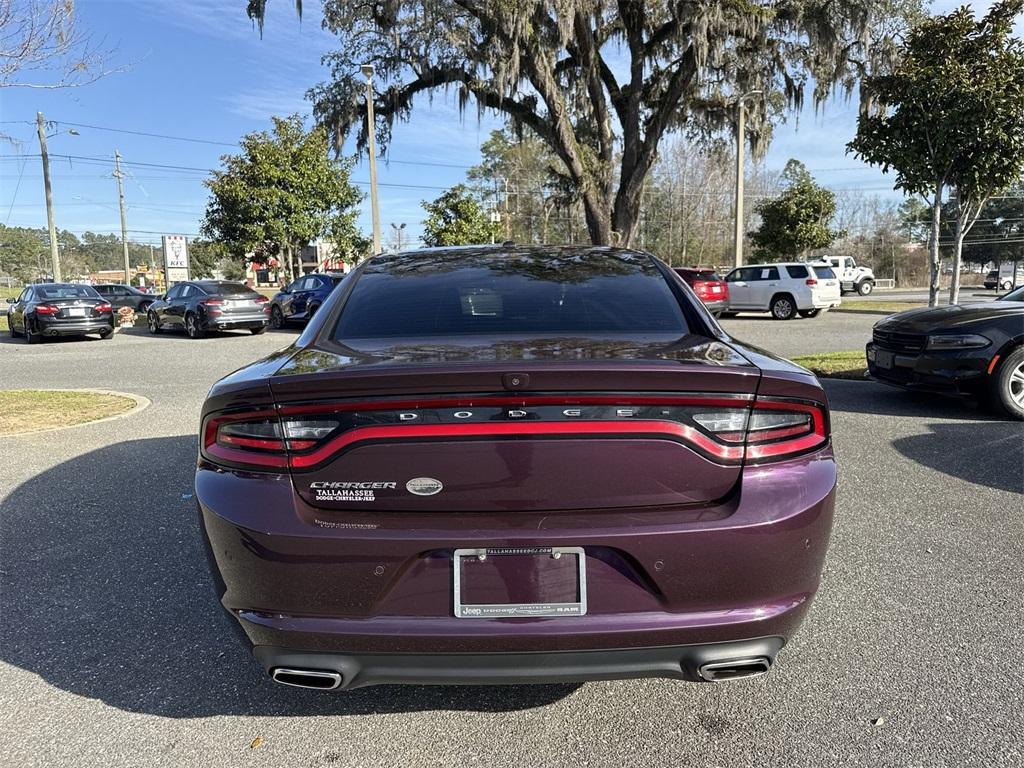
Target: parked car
x: 1002, y: 279
x: 120, y: 295
x: 852, y: 278
x: 508, y: 464
x: 300, y: 300
x: 199, y: 306
x: 709, y: 287
x: 59, y: 309
x: 970, y: 350
x: 785, y: 290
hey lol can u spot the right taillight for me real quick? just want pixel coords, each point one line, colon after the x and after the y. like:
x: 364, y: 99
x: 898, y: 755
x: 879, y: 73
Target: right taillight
x: 779, y: 429
x: 811, y: 282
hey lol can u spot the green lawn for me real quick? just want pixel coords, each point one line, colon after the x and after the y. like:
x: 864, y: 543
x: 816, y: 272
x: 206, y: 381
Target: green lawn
x: 878, y: 307
x: 835, y: 365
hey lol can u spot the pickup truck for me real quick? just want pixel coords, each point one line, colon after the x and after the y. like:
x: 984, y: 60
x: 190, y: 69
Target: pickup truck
x: 851, y: 277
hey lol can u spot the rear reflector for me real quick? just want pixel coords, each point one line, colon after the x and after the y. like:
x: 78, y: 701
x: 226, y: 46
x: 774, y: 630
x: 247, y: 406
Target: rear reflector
x: 724, y: 429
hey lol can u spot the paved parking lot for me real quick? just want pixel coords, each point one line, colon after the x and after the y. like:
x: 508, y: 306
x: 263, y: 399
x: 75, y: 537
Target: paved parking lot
x: 113, y: 651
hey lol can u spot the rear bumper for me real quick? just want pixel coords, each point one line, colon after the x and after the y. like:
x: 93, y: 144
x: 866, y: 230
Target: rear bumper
x: 74, y: 327
x: 358, y: 586
x: 676, y: 662
x: 716, y: 305
x: 248, y: 320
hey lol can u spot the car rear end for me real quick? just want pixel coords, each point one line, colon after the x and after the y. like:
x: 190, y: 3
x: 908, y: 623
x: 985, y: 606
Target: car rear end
x: 823, y: 287
x: 710, y: 288
x: 639, y: 499
x: 231, y: 306
x: 71, y: 310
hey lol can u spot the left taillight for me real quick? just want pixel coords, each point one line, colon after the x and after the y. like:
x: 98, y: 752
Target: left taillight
x: 260, y: 439
x: 47, y: 309
x: 103, y: 308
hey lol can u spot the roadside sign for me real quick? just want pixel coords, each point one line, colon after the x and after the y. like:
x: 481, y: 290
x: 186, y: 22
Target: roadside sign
x: 176, y: 262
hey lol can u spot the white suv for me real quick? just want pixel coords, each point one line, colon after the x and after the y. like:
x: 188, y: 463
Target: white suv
x: 786, y: 290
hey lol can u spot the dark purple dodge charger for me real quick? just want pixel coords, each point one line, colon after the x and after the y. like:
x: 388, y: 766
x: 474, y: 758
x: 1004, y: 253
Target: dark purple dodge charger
x: 515, y: 464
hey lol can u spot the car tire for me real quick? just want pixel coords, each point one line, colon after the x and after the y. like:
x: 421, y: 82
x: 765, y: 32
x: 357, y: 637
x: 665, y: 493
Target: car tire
x: 107, y: 334
x: 809, y: 312
x: 1008, y: 385
x: 783, y: 307
x: 276, y: 318
x: 193, y: 329
x: 154, y: 323
x: 726, y: 314
x: 1005, y: 286
x: 312, y: 311
x: 258, y: 331
x: 31, y: 337
x: 865, y: 287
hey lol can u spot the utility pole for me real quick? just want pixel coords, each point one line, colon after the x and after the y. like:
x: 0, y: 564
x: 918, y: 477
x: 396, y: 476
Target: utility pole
x: 367, y: 70
x: 740, y: 139
x: 508, y: 219
x: 54, y: 254
x: 124, y: 223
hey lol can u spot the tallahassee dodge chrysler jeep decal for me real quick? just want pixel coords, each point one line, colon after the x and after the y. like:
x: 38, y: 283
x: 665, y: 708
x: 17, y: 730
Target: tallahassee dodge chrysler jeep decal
x: 348, y: 491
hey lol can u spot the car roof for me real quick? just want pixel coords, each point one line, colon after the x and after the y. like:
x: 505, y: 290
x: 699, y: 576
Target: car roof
x: 494, y: 254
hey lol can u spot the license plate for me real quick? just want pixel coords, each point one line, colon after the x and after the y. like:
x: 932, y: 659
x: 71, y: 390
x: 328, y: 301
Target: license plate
x: 76, y: 311
x: 883, y: 359
x: 501, y: 582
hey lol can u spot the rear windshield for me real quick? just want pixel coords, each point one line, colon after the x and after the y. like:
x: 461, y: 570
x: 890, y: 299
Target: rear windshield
x: 227, y: 289
x: 824, y: 273
x: 700, y: 274
x: 66, y: 292
x: 542, y: 292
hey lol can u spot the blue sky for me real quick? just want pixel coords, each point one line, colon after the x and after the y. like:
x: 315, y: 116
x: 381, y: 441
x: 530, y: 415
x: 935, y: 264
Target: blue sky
x: 197, y: 68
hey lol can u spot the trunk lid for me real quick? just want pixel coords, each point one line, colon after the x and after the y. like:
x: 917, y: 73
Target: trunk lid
x: 550, y: 425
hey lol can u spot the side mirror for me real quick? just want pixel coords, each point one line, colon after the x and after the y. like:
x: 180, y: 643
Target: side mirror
x: 12, y: 300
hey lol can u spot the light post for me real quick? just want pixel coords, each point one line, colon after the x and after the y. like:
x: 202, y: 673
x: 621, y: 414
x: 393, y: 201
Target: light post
x: 398, y: 229
x: 367, y: 70
x: 43, y: 136
x: 740, y: 137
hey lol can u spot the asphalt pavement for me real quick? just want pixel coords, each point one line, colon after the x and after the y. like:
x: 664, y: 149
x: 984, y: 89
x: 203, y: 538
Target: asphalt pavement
x: 113, y: 651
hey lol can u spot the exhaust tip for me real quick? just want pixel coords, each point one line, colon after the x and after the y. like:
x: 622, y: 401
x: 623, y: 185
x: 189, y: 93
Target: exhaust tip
x: 319, y: 679
x: 735, y: 669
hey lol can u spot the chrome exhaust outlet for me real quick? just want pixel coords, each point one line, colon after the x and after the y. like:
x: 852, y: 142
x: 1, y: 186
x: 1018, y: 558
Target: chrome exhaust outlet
x: 319, y: 679
x: 736, y: 669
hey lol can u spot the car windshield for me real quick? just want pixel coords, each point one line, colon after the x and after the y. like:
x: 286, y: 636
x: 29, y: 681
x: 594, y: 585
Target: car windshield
x: 227, y: 289
x: 1017, y: 295
x: 66, y: 292
x: 489, y: 291
x: 824, y: 273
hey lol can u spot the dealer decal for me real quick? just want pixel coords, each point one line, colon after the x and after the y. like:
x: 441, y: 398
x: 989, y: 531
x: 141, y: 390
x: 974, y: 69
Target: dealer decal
x: 324, y: 490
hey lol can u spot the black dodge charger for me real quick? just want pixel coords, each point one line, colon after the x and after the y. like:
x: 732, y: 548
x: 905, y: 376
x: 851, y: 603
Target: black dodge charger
x: 975, y: 350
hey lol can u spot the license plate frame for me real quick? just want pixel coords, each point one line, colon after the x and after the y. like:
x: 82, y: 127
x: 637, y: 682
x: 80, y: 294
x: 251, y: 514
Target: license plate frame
x: 513, y: 610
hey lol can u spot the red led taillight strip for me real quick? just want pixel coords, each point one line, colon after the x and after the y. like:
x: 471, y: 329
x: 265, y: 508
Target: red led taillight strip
x: 663, y: 429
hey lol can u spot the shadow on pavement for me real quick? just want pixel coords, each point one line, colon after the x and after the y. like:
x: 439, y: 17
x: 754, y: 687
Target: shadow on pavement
x: 872, y: 398
x: 989, y: 454
x: 107, y: 596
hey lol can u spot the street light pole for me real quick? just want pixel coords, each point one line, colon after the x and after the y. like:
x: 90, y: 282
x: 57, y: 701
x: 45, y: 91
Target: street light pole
x: 397, y: 229
x: 54, y: 254
x: 367, y: 70
x: 740, y: 138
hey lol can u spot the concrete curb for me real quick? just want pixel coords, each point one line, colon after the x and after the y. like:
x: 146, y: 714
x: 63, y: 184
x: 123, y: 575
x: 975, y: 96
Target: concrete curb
x: 141, y: 403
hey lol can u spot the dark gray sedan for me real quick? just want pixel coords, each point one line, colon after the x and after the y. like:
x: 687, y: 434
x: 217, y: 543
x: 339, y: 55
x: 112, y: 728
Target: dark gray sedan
x: 59, y: 309
x: 199, y: 306
x: 120, y: 295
